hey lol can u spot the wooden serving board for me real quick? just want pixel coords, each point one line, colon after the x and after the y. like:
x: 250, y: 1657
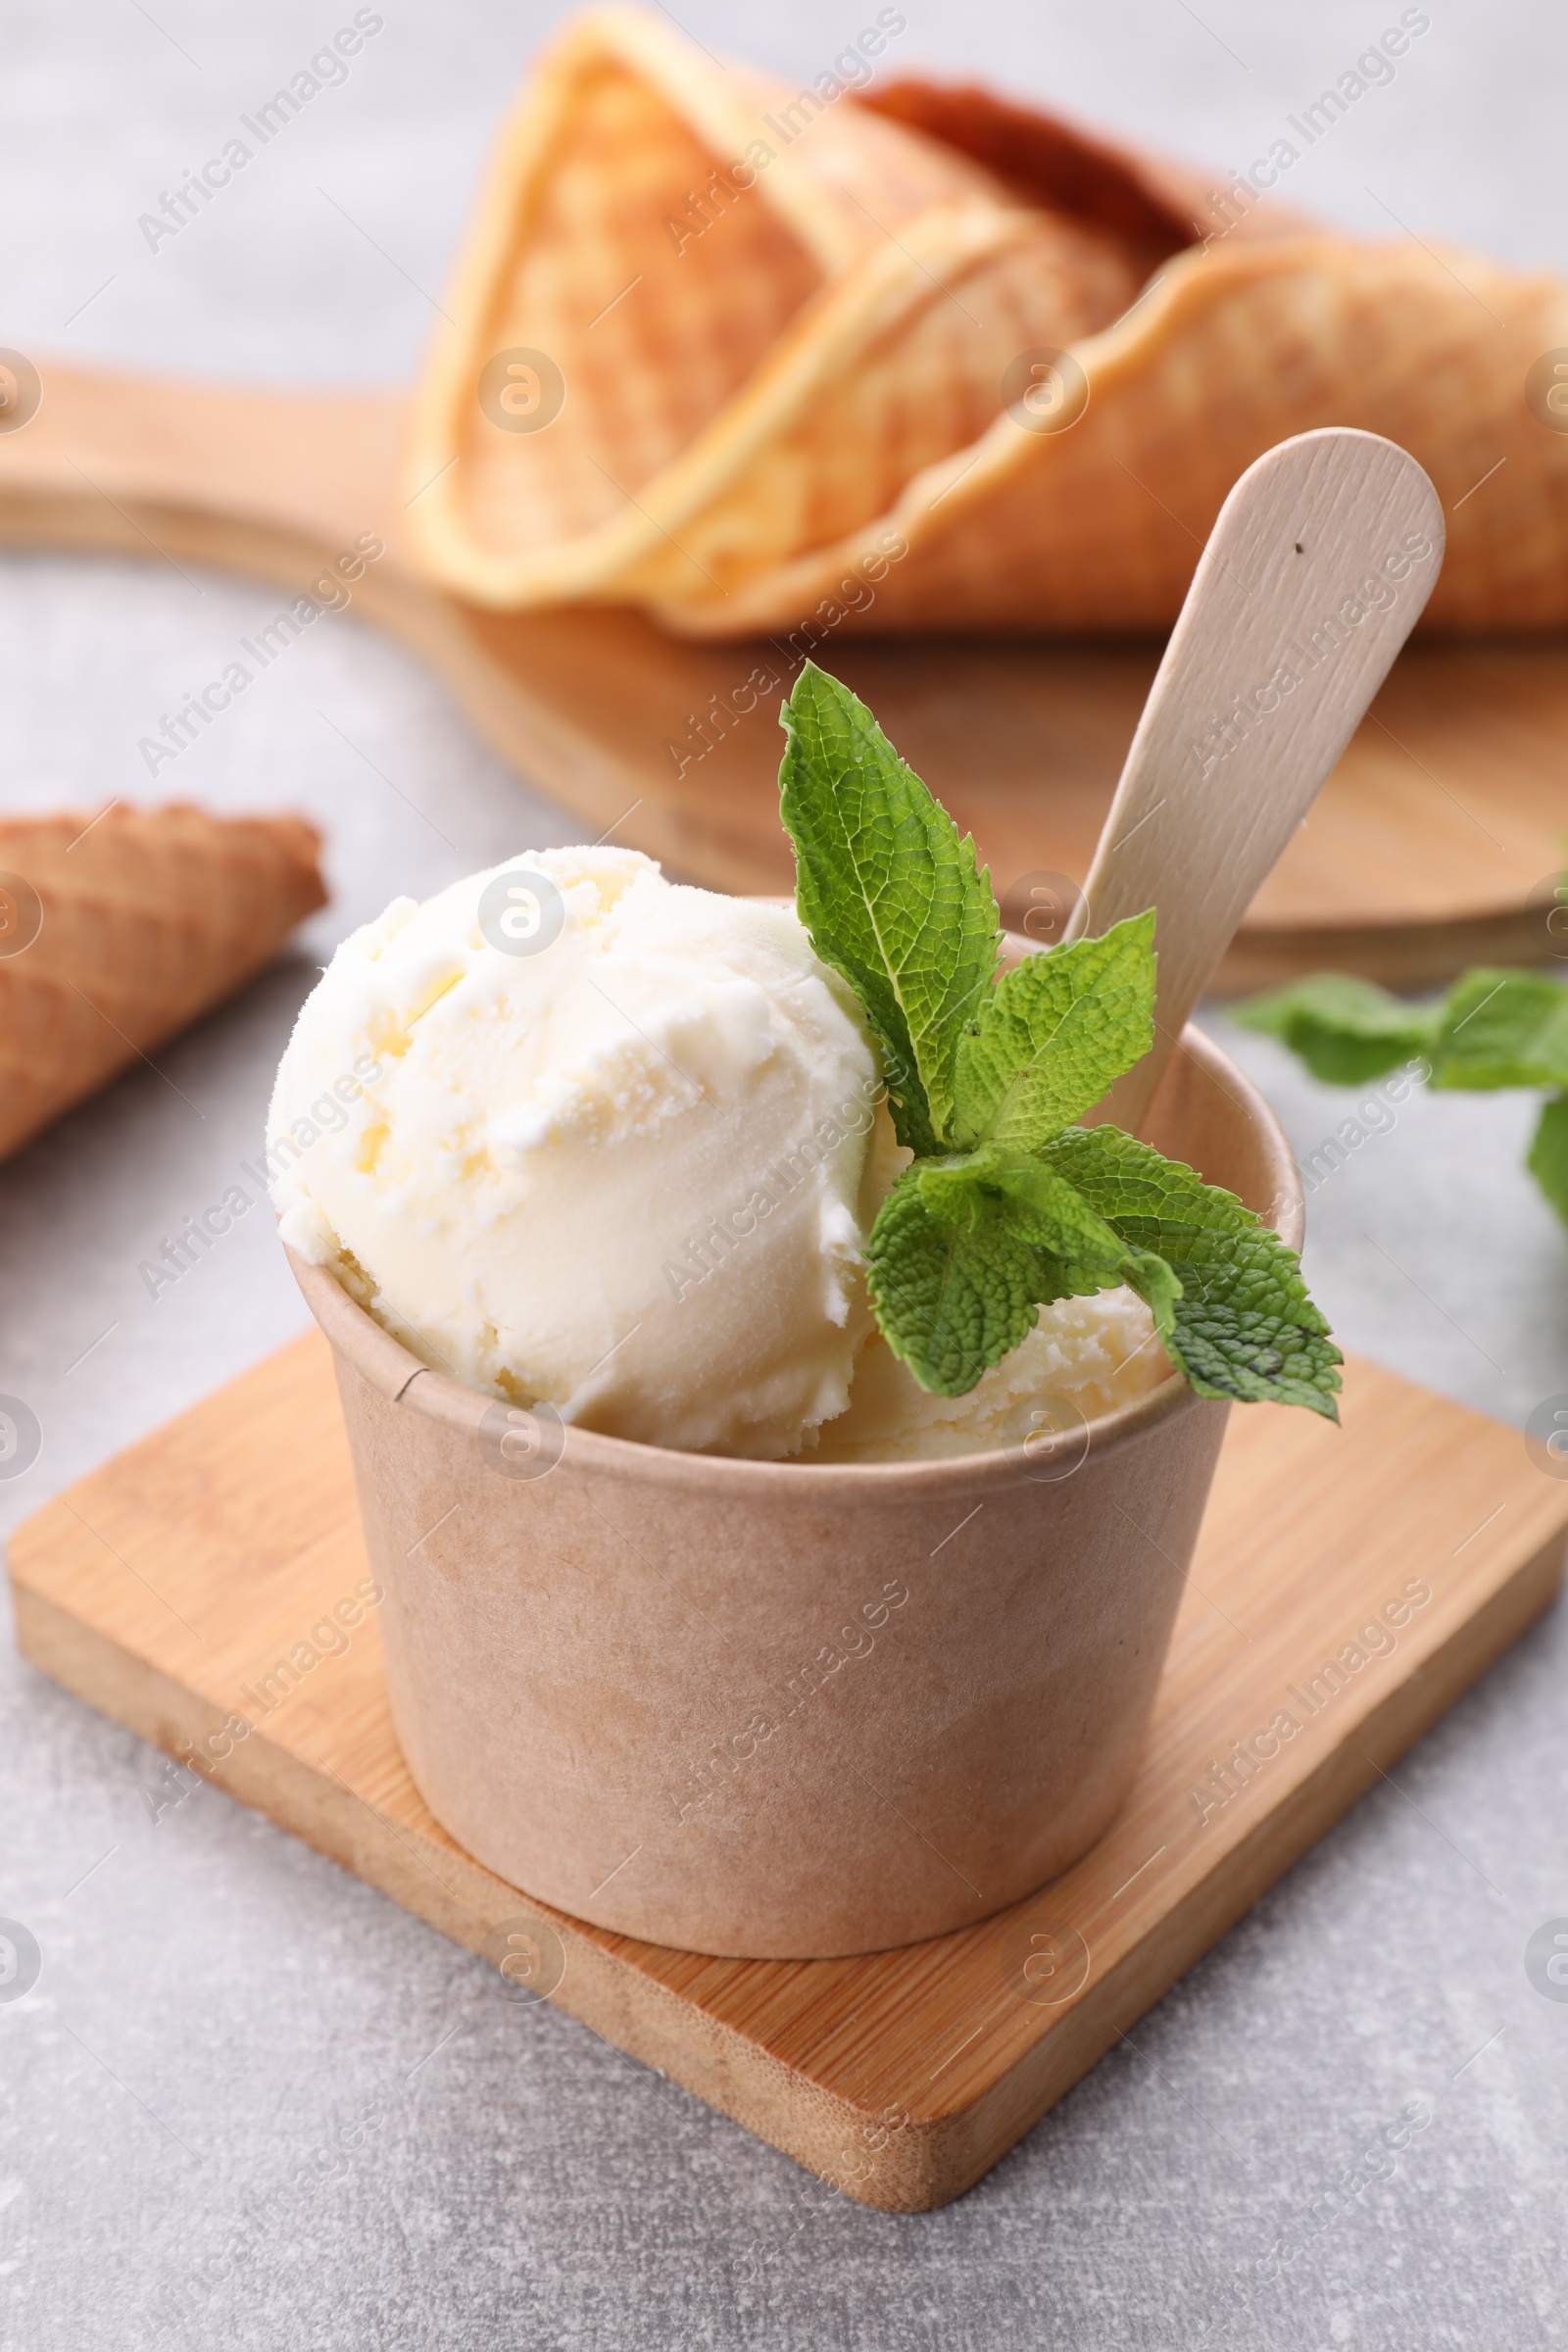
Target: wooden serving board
x: 1432, y: 844
x: 166, y: 1586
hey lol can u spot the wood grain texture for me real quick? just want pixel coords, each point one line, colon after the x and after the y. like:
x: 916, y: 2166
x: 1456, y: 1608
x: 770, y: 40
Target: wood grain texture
x: 1313, y: 578
x: 1429, y: 847
x: 164, y: 1587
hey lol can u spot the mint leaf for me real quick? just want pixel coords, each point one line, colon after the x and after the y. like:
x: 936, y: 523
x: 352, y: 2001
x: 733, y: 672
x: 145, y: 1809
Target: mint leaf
x: 892, y: 897
x: 1503, y: 1028
x: 966, y: 1247
x: 1034, y: 1205
x: 1050, y: 1039
x: 952, y: 1294
x: 1548, y: 1158
x: 1493, y: 1029
x: 1084, y: 1254
x: 1243, y: 1326
x: 957, y: 1185
x: 1347, y: 1031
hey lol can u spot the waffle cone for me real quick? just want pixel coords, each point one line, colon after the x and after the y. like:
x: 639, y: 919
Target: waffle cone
x: 149, y: 918
x: 779, y: 339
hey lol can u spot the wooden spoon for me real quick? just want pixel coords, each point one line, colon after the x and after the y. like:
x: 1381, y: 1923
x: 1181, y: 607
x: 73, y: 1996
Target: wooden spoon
x: 1314, y: 577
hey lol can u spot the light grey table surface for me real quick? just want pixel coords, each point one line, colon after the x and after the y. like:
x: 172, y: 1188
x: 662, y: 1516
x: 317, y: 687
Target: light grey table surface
x: 217, y: 2003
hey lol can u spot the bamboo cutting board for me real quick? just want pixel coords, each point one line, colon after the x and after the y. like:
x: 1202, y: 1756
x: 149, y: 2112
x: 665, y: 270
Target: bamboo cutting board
x: 1433, y: 846
x: 1348, y: 1585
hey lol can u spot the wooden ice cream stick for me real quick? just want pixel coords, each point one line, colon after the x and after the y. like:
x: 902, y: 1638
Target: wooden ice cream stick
x: 1314, y: 577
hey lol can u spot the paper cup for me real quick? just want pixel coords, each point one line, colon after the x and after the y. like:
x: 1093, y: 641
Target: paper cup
x: 772, y: 1709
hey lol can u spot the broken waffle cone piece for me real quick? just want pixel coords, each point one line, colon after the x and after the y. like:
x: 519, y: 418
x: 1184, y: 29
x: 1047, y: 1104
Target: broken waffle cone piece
x: 745, y: 355
x: 115, y: 932
x: 677, y: 262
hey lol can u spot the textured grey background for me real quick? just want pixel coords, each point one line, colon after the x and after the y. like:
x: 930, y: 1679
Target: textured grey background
x: 217, y: 2004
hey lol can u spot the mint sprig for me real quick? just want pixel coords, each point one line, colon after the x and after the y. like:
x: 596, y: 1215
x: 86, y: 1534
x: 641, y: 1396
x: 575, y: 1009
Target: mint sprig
x: 1347, y: 1031
x: 1493, y: 1029
x: 1007, y: 1204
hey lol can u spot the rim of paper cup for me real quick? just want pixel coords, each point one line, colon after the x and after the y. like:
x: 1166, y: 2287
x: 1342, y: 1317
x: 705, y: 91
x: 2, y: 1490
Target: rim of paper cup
x: 379, y: 1356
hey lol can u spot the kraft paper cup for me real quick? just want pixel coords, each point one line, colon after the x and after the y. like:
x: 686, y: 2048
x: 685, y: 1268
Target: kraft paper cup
x: 772, y: 1709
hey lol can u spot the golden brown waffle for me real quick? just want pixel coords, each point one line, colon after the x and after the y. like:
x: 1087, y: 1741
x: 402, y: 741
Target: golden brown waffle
x: 116, y: 933
x: 775, y: 335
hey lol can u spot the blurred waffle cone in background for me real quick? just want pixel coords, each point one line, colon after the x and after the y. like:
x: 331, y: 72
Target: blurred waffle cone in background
x: 725, y: 348
x: 116, y: 933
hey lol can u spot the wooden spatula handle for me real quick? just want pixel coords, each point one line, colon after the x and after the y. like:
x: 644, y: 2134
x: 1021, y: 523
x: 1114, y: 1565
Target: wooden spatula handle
x: 257, y: 480
x: 1314, y: 577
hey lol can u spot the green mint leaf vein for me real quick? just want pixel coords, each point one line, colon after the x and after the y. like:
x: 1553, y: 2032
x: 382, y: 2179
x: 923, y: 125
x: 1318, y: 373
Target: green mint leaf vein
x: 1043, y: 1045
x: 892, y: 897
x: 1243, y: 1326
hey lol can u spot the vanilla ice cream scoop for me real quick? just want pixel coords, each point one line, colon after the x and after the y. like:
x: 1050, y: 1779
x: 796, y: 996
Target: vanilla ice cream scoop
x: 1084, y: 1356
x: 581, y: 1136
